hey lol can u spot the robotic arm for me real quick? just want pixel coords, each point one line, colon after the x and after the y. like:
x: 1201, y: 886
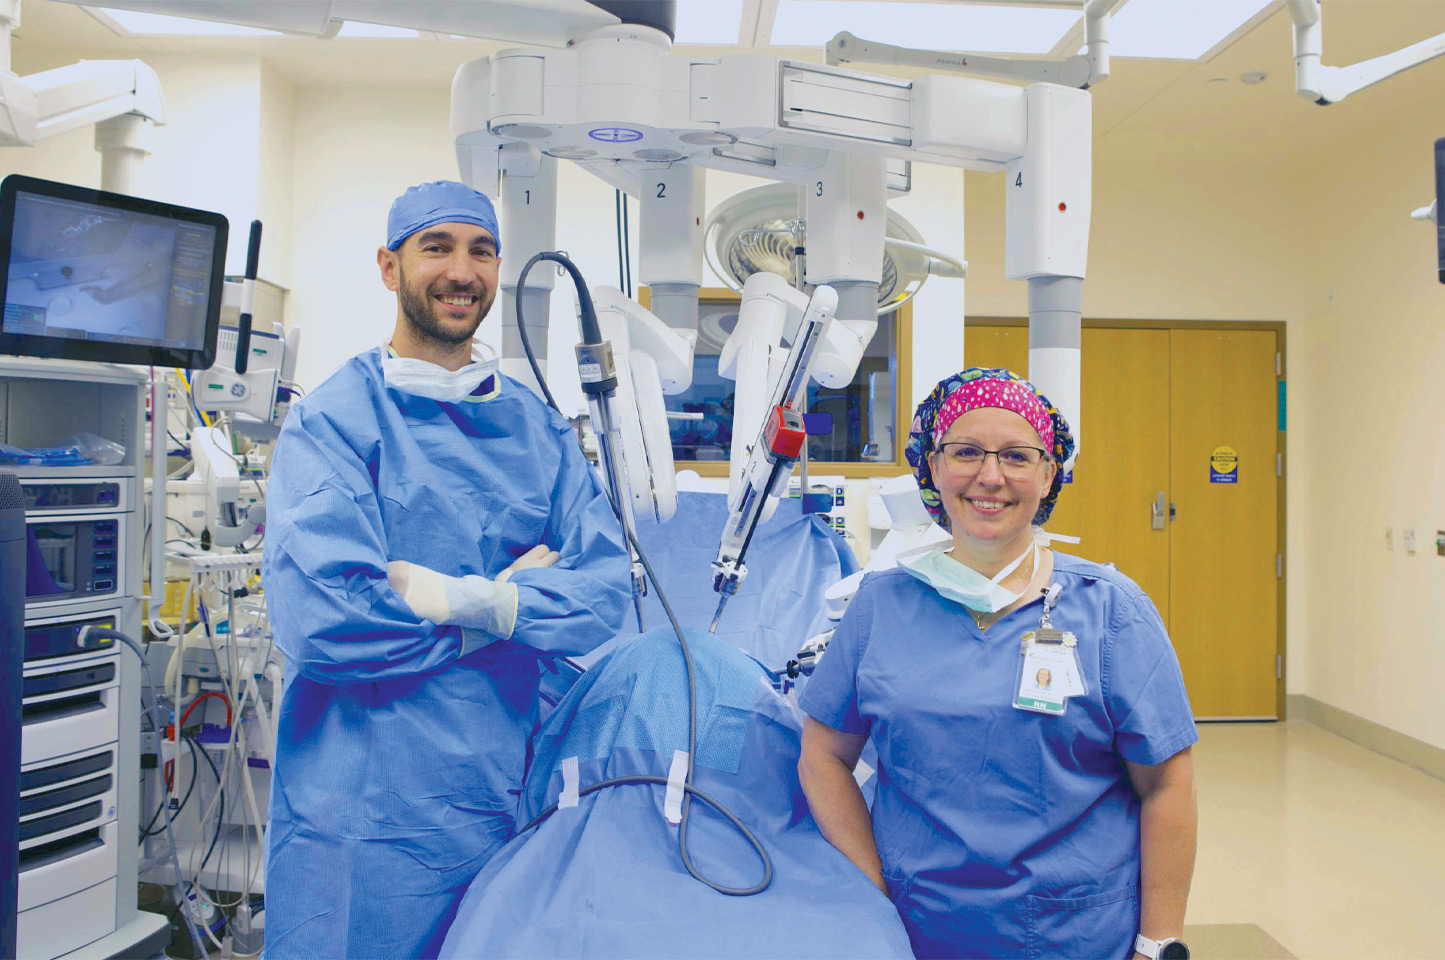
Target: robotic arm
x: 1326, y: 85
x: 779, y: 441
x: 1082, y: 70
x: 652, y: 359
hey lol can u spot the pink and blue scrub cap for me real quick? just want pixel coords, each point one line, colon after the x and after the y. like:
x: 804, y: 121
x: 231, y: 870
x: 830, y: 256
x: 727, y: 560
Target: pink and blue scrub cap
x: 441, y: 201
x: 969, y: 390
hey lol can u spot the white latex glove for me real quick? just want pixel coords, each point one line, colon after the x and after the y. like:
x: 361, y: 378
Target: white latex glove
x: 534, y: 559
x: 476, y: 602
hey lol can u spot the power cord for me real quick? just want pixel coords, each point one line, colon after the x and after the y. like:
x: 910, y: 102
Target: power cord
x: 106, y: 633
x: 591, y: 334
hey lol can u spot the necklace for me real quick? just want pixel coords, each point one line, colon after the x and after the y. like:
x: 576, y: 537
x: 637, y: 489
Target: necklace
x: 978, y: 615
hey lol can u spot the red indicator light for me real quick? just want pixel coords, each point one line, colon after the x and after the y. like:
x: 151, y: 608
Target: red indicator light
x: 860, y: 214
x: 1063, y: 207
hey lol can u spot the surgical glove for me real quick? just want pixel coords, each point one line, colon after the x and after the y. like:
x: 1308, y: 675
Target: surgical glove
x: 534, y: 559
x: 474, y: 601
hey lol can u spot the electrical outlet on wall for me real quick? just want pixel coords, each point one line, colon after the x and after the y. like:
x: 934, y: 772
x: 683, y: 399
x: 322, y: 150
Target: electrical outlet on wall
x: 1409, y: 538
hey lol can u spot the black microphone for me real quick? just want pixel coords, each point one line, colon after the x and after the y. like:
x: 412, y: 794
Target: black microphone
x: 248, y: 299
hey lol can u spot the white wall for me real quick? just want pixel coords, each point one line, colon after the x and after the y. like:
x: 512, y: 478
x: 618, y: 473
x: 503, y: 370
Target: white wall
x: 275, y: 174
x: 356, y: 150
x: 207, y: 155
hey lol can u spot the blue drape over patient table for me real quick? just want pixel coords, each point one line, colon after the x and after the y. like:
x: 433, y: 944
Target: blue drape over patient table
x: 605, y: 879
x: 792, y: 559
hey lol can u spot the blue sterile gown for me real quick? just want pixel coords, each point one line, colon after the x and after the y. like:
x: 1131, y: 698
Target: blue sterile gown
x: 1006, y: 833
x: 400, y: 755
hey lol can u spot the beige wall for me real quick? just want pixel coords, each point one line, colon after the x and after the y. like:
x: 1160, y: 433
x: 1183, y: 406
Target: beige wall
x: 1369, y: 360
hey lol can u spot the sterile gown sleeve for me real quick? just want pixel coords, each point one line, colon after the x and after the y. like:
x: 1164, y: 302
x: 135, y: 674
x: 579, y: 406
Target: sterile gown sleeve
x: 578, y: 603
x: 1144, y: 688
x: 337, y: 619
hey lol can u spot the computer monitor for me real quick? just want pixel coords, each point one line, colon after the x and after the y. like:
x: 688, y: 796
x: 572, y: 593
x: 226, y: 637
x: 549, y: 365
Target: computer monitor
x: 1440, y: 204
x: 90, y: 275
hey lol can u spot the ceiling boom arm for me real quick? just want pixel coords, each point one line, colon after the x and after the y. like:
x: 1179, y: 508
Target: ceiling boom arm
x: 1326, y: 85
x: 1081, y: 70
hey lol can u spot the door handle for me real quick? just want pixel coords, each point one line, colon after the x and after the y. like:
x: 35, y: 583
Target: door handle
x: 1157, y: 511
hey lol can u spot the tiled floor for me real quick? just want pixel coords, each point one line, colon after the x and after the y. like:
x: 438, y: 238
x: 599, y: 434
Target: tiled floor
x: 1331, y: 849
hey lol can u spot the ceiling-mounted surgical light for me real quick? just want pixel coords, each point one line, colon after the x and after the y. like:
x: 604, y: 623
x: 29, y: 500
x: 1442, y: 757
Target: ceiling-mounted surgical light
x: 755, y: 232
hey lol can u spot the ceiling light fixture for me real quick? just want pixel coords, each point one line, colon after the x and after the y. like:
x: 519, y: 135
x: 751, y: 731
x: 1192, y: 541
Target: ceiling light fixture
x: 132, y: 23
x: 709, y: 21
x: 971, y: 28
x: 1177, y: 29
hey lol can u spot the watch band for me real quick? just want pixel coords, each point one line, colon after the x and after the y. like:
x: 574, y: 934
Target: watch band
x: 1170, y: 948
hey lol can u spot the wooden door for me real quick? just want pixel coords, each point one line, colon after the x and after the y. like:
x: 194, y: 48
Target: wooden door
x: 1007, y: 347
x: 1157, y: 406
x: 1223, y: 579
x: 1123, y: 465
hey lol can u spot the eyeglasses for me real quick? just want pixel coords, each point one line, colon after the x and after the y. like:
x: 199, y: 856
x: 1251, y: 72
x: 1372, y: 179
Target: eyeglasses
x: 966, y: 459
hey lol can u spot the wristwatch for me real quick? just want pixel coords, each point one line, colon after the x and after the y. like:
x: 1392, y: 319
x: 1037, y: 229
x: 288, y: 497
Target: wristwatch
x: 1169, y: 949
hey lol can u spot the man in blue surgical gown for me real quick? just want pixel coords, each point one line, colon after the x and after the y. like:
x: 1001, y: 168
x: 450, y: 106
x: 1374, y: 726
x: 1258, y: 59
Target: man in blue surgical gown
x: 434, y: 531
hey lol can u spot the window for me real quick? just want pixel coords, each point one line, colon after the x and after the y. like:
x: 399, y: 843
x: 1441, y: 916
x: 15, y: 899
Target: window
x: 859, y: 429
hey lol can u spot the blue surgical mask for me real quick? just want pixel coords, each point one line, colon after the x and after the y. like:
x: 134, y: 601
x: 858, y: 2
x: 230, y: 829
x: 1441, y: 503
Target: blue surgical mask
x: 423, y: 379
x: 963, y: 584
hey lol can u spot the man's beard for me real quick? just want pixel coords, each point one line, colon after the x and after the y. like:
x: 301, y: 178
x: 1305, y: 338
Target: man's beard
x: 420, y: 311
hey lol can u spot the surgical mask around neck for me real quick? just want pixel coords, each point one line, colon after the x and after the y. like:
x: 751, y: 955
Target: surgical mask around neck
x: 424, y: 379
x: 963, y: 584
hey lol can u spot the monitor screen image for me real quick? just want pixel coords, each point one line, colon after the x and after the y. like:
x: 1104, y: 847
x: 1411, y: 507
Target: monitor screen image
x: 97, y: 279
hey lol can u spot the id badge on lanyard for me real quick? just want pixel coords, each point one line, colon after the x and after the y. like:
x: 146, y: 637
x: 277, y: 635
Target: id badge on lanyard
x: 1049, y: 671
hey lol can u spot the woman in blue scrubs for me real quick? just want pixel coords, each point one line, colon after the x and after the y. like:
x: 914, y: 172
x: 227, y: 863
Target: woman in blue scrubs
x: 1009, y: 820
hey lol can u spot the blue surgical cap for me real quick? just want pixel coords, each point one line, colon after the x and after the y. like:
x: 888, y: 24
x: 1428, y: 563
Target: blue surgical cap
x: 441, y: 201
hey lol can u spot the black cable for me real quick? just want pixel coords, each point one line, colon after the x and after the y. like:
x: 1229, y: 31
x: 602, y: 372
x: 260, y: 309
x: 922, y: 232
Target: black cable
x: 220, y: 813
x: 587, y: 312
x: 146, y: 537
x: 148, y: 832
x: 617, y: 220
x: 170, y: 818
x: 527, y: 347
x: 626, y: 246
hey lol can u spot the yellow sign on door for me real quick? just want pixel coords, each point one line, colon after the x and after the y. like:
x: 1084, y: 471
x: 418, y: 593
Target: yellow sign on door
x: 1223, y: 465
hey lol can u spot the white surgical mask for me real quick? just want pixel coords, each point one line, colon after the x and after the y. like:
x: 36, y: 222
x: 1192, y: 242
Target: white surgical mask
x: 423, y: 379
x: 963, y: 584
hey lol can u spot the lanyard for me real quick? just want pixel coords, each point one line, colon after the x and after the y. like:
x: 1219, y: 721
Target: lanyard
x: 1048, y: 665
